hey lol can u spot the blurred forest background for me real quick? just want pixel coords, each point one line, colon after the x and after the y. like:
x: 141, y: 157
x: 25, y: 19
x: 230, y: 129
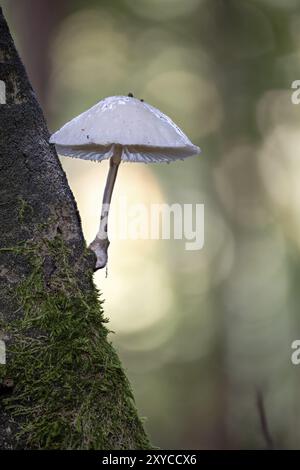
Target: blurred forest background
x: 199, y: 332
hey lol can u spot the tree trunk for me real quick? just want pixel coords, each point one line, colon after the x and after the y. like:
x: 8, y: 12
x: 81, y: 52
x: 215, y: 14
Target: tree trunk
x: 62, y: 386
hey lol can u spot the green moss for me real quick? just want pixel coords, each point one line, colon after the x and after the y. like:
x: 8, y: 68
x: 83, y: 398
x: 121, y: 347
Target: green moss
x: 25, y: 209
x: 70, y: 389
x: 3, y: 373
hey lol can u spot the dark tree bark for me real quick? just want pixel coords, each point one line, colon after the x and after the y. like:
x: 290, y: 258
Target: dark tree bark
x: 62, y: 385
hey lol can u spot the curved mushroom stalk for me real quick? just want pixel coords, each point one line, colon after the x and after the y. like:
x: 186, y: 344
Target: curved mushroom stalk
x: 101, y: 243
x: 100, y: 247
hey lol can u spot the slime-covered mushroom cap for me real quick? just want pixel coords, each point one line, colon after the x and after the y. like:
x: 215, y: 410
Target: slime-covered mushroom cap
x: 145, y: 133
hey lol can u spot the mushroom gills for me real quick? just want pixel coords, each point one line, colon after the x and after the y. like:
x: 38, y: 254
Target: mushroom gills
x: 130, y: 153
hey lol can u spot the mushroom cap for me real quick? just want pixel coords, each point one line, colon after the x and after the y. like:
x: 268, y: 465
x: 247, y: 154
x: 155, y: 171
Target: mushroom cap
x: 145, y: 133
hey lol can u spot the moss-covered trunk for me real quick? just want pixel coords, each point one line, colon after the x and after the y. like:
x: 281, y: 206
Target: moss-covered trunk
x: 62, y: 385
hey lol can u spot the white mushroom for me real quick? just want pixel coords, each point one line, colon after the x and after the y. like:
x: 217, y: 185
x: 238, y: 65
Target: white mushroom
x: 121, y: 128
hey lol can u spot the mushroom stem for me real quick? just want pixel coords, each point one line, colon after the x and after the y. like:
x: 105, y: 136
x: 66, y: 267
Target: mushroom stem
x: 101, y: 243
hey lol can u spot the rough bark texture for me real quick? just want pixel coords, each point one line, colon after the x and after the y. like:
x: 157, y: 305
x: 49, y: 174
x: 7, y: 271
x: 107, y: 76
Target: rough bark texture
x: 62, y: 385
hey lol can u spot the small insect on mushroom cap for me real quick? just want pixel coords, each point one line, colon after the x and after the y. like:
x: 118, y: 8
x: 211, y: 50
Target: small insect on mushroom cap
x: 144, y: 133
